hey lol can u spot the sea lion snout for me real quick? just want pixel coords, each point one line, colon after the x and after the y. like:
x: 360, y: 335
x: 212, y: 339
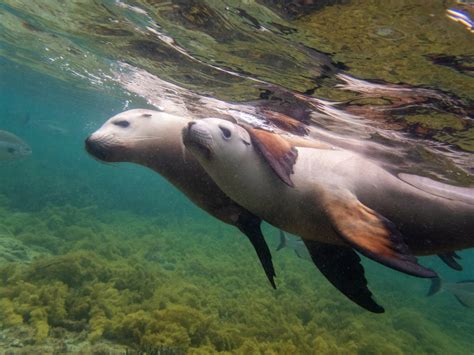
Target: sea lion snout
x: 198, y: 138
x: 93, y: 148
x: 99, y: 148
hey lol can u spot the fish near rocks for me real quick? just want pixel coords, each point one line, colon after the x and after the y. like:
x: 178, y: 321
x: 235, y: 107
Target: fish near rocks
x: 295, y: 244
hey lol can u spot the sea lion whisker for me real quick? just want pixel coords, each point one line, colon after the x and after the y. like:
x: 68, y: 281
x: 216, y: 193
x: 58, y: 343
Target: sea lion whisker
x: 105, y: 140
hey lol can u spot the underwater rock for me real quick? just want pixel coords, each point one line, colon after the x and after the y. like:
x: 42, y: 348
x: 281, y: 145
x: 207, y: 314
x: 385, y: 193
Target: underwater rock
x: 13, y: 250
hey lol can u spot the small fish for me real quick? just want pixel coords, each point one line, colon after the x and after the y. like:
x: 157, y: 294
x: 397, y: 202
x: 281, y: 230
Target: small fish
x: 12, y: 147
x: 48, y: 125
x: 294, y: 243
x: 463, y: 291
x: 56, y: 129
x: 461, y: 17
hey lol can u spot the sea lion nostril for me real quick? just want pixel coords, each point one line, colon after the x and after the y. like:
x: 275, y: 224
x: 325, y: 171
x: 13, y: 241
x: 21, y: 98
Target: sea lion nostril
x: 94, y: 148
x: 88, y: 143
x: 190, y: 124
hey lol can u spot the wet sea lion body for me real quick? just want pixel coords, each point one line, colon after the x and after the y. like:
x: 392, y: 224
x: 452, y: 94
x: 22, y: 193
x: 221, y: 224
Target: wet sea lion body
x: 153, y: 139
x: 336, y: 201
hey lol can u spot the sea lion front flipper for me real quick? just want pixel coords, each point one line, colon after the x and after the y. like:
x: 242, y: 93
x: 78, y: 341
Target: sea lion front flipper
x: 250, y: 226
x: 277, y: 152
x: 449, y: 259
x: 342, y: 267
x: 370, y: 233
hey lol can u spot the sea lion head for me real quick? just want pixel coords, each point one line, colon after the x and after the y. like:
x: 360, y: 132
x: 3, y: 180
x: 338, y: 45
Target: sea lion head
x: 223, y: 145
x: 216, y: 140
x: 133, y: 136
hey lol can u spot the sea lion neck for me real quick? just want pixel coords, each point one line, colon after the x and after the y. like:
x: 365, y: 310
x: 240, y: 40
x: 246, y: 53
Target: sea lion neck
x: 162, y: 154
x: 181, y: 169
x: 168, y: 157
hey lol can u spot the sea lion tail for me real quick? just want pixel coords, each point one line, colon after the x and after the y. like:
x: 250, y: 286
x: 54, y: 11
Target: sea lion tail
x: 435, y: 287
x: 283, y: 240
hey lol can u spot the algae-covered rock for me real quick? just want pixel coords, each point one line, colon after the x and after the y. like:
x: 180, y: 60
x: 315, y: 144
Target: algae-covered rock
x: 14, y: 250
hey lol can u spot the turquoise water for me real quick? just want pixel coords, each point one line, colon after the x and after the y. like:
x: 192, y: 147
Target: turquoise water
x: 111, y: 258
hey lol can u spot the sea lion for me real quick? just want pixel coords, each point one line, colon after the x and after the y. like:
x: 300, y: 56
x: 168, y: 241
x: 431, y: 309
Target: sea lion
x: 153, y: 139
x: 337, y: 201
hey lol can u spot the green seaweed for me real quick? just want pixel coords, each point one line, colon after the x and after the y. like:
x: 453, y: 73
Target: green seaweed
x: 156, y: 288
x: 108, y: 283
x: 8, y: 315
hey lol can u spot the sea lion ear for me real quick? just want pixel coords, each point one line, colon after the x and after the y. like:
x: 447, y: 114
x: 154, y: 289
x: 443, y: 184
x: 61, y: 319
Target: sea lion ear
x: 277, y: 152
x: 243, y: 134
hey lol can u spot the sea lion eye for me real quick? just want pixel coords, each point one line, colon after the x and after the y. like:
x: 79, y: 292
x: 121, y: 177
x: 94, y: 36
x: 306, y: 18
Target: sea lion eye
x: 225, y: 132
x: 123, y: 123
x: 146, y: 115
x: 11, y: 150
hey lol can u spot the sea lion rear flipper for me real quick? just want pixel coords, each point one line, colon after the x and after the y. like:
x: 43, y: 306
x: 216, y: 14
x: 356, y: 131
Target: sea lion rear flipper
x: 250, y: 226
x: 449, y: 259
x: 370, y: 233
x: 435, y: 286
x: 455, y: 255
x: 342, y: 267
